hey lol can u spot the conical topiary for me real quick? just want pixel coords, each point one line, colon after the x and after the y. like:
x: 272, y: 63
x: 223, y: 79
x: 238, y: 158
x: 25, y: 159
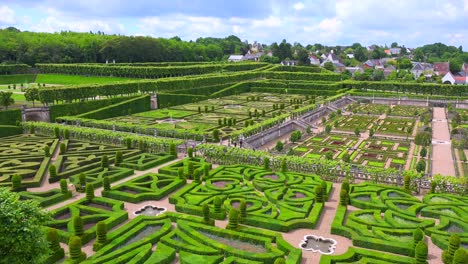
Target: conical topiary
x: 89, y: 191
x: 217, y: 204
x: 16, y: 181
x: 421, y: 252
x: 243, y: 210
x: 76, y: 255
x: 118, y: 158
x: 78, y: 226
x: 233, y: 219
x: 63, y: 186
x: 106, y: 183
x: 206, y: 213
x: 52, y: 171
x: 460, y: 256
x: 454, y: 244
x: 318, y: 194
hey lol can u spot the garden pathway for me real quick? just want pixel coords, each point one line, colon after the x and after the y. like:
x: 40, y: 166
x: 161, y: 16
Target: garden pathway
x: 442, y: 159
x: 410, y: 156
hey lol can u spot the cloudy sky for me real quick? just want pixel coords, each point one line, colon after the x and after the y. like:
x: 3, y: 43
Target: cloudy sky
x: 331, y: 22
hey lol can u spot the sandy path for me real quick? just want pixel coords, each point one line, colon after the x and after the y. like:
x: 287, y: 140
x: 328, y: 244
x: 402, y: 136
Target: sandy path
x: 442, y: 159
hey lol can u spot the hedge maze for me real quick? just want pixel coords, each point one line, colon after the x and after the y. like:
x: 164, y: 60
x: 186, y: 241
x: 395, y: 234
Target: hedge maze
x: 385, y: 218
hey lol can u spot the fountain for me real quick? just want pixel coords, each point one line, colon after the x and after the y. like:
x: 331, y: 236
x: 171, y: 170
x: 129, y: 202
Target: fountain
x: 318, y: 244
x: 150, y: 210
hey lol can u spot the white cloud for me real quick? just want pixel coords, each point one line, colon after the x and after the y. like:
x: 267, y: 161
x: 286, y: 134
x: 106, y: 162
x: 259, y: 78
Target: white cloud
x: 57, y: 24
x: 299, y: 6
x: 7, y: 15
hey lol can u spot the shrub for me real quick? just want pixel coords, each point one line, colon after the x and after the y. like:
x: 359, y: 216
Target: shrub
x: 421, y: 166
x: 460, y: 256
x: 433, y: 187
x: 173, y: 150
x: 63, y: 186
x: 82, y: 179
x: 319, y: 194
x: 371, y: 132
x: 53, y: 239
x: 62, y: 148
x: 346, y: 157
x: 66, y: 134
x: 206, y: 213
x: 106, y: 183
x: 47, y: 151
x: 243, y: 210
x: 328, y: 129
x: 141, y: 145
x: 266, y: 163
x: 78, y: 226
x: 216, y: 135
x: 190, y: 169
x: 345, y: 185
x: 217, y: 204
x: 190, y: 153
x: 56, y: 132
x: 31, y: 130
x: 357, y: 132
x: 128, y: 143
x: 180, y: 173
x: 344, y: 197
x: 280, y: 261
x: 74, y: 245
x: 233, y: 223
x: 279, y: 146
x: 418, y: 236
x: 284, y: 166
x: 454, y: 244
x: 406, y: 184
x: 421, y: 253
x: 52, y: 171
x: 118, y: 158
x: 104, y: 161
x: 16, y: 181
x: 296, y: 135
x: 423, y: 152
x: 329, y: 155
x: 101, y: 232
x: 196, y: 176
x: 206, y: 170
x: 89, y: 192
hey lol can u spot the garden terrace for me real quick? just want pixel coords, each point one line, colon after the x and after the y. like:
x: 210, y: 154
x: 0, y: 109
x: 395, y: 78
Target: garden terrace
x: 350, y: 123
x: 317, y: 147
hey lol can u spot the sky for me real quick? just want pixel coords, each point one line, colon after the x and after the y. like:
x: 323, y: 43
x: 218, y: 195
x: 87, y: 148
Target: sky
x: 331, y: 22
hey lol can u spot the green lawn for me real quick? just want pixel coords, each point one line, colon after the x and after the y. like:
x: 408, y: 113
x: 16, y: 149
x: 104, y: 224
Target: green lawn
x: 74, y: 79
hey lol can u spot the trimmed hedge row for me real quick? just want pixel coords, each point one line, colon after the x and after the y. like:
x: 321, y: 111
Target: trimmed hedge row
x: 14, y: 68
x: 242, y: 87
x: 10, y: 117
x: 17, y: 78
x: 302, y: 76
x: 6, y: 131
x: 309, y: 69
x: 132, y: 106
x: 354, y: 255
x: 59, y: 110
x: 293, y: 91
x: 418, y: 88
x: 166, y: 99
x: 46, y: 198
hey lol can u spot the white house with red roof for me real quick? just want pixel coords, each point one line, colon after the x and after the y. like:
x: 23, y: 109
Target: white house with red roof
x: 441, y: 68
x: 450, y: 78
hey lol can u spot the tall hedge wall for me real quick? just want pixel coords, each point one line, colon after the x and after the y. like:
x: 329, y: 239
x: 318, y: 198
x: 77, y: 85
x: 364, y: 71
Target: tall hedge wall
x: 17, y: 78
x: 6, y: 131
x: 418, y: 88
x: 14, y: 68
x: 297, y: 68
x: 82, y: 107
x: 168, y: 99
x: 132, y: 106
x: 302, y: 76
x: 9, y: 117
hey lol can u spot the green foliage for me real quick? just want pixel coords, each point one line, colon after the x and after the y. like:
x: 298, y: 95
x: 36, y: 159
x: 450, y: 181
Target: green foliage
x: 101, y: 232
x: 63, y: 148
x: 279, y: 146
x: 132, y: 106
x: 233, y: 223
x: 173, y: 150
x: 66, y: 134
x: 421, y: 253
x: 346, y: 157
x: 89, y: 191
x: 454, y: 244
x: 217, y: 205
x: 280, y: 261
x: 319, y: 194
x: 329, y: 155
x: 418, y: 235
x: 460, y: 256
x: 23, y: 238
x: 106, y: 184
x: 421, y: 166
x: 215, y: 134
x: 82, y: 179
x: 53, y: 239
x: 76, y: 255
x: 63, y: 186
x: 6, y: 99
x: 344, y: 197
x: 407, y: 181
x: 206, y: 170
x: 128, y: 143
x: 266, y: 163
x: 423, y: 152
x: 10, y: 117
x: 104, y: 161
x: 357, y: 132
x: 328, y: 128
x: 433, y: 186
x: 296, y: 135
x: 284, y: 166
x: 16, y: 181
x: 206, y: 213
x: 78, y: 226
x: 118, y: 158
x: 423, y: 139
x: 345, y: 185
x: 190, y: 153
x: 56, y: 132
x: 190, y: 169
x: 52, y: 171
x: 371, y: 132
x: 243, y: 210
x: 180, y: 173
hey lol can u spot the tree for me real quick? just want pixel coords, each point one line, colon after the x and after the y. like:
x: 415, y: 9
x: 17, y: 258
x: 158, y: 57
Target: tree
x: 190, y: 153
x: 52, y: 171
x: 328, y: 129
x: 266, y: 163
x: 418, y: 235
x: 329, y: 155
x: 63, y: 186
x: 329, y: 66
x: 423, y: 152
x: 6, y: 99
x: 460, y: 256
x: 104, y: 161
x: 54, y: 243
x: 284, y: 166
x: 215, y: 135
x: 89, y: 191
x: 346, y: 157
x: 296, y: 135
x: 279, y: 146
x: 23, y: 238
x: 344, y: 197
x: 32, y: 94
x: 106, y: 183
x: 454, y: 244
x: 394, y: 45
x: 404, y: 63
x: 360, y: 53
x: 217, y: 205
x: 357, y: 132
x: 303, y: 57
x: 206, y: 213
x: 423, y: 138
x: 101, y: 235
x: 173, y: 150
x: 371, y: 132
x: 421, y: 252
x: 421, y: 166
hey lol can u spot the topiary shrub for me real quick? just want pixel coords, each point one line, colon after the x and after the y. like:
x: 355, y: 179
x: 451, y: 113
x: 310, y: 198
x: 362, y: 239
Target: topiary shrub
x: 106, y: 183
x: 233, y: 223
x: 243, y: 210
x: 89, y: 192
x: 266, y: 163
x: 433, y: 187
x: 344, y: 197
x: 196, y: 176
x: 128, y: 143
x: 16, y: 182
x: 190, y: 169
x: 345, y: 185
x: 284, y: 166
x: 66, y: 134
x: 190, y: 153
x: 76, y: 255
x: 62, y: 148
x: 63, y: 186
x: 31, y: 129
x: 406, y: 184
x: 180, y: 172
x: 206, y: 171
x: 78, y: 226
x: 82, y: 180
x: 118, y: 158
x: 56, y: 132
x: 206, y: 213
x: 319, y: 194
x: 217, y: 204
x: 280, y: 261
x: 421, y: 253
x: 54, y: 243
x: 215, y: 135
x: 173, y: 150
x: 454, y: 244
x: 46, y: 151
x: 101, y: 235
x: 418, y: 235
x: 141, y: 145
x: 52, y: 171
x: 460, y: 256
x: 104, y: 162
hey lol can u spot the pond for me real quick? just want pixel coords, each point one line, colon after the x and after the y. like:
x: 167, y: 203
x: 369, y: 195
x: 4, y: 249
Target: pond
x: 318, y: 244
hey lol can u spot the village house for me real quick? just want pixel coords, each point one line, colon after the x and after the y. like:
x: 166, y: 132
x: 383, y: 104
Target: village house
x: 236, y: 58
x: 422, y: 68
x: 441, y: 68
x: 314, y: 60
x: 450, y: 78
x: 289, y: 63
